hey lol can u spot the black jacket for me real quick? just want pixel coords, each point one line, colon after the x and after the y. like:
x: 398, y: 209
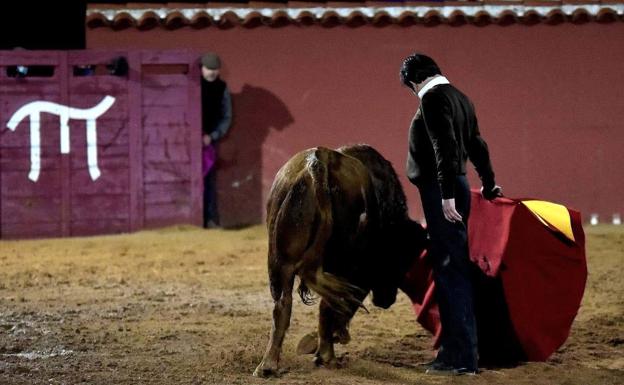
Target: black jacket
x: 443, y: 135
x: 216, y: 108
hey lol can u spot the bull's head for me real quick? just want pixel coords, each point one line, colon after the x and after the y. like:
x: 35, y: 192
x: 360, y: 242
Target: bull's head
x: 398, y: 247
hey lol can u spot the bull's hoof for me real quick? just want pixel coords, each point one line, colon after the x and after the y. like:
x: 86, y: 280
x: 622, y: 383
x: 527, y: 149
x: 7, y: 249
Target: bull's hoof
x: 308, y: 344
x: 342, y: 361
x: 265, y: 371
x: 332, y: 363
x: 319, y: 362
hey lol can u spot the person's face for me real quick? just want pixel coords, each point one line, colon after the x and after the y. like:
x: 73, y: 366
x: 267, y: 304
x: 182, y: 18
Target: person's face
x: 209, y: 75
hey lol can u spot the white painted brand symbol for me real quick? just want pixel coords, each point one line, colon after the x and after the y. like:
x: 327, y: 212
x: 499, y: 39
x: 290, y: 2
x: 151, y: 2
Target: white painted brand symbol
x: 34, y: 109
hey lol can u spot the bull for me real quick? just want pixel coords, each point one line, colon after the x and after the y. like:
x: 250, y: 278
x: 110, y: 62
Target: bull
x: 338, y: 220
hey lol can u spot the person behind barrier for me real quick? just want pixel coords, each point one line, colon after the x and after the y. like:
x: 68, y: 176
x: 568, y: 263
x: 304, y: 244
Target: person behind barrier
x: 216, y: 119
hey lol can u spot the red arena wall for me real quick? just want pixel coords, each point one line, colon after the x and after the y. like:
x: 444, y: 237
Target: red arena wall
x: 549, y: 100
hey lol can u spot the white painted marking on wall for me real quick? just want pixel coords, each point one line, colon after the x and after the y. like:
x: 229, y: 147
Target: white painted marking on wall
x: 34, y: 109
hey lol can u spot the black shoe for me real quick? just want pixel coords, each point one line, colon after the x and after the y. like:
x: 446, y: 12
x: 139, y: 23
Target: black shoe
x: 435, y: 364
x: 466, y: 371
x: 442, y: 370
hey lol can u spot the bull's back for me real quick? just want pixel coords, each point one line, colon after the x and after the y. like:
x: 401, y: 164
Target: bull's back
x: 314, y: 186
x: 290, y: 210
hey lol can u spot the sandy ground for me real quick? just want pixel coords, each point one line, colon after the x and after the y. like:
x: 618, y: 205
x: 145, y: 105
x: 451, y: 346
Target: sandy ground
x: 189, y: 306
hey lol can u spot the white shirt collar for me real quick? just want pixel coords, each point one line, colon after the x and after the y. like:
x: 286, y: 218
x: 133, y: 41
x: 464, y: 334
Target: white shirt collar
x: 434, y: 82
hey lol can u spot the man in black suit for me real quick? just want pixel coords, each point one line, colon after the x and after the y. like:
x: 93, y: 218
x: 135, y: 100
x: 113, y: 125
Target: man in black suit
x: 443, y: 135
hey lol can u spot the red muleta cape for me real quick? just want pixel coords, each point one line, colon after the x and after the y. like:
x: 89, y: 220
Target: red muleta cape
x: 533, y: 274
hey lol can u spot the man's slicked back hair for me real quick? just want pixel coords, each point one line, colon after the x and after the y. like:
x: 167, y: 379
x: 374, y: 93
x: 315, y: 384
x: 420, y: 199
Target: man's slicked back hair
x: 418, y: 67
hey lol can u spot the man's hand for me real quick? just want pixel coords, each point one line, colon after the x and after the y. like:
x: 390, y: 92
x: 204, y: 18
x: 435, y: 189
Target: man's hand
x: 207, y: 140
x: 494, y: 192
x: 448, y: 207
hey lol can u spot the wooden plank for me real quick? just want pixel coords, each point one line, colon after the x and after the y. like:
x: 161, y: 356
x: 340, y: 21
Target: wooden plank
x: 43, y: 57
x: 101, y: 206
x: 109, y: 132
x: 158, y: 172
x: 113, y: 156
x: 176, y: 116
x: 135, y: 127
x: 49, y: 129
x: 31, y: 89
x: 22, y: 94
x: 99, y: 226
x: 118, y: 111
x: 158, y: 222
x: 167, y: 214
x: 17, y: 184
x: 176, y: 95
x: 166, y: 152
x: 164, y: 69
x: 18, y: 159
x: 99, y: 85
x: 110, y: 206
x: 86, y: 57
x: 161, y: 193
x: 31, y: 209
x: 194, y: 134
x: 66, y: 174
x: 30, y: 230
x: 164, y: 81
x: 158, y: 134
x: 112, y: 181
x: 20, y: 137
x: 170, y: 57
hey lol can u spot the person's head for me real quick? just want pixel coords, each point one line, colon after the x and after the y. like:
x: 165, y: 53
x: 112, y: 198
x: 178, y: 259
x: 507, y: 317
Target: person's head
x: 417, y: 68
x: 211, y: 66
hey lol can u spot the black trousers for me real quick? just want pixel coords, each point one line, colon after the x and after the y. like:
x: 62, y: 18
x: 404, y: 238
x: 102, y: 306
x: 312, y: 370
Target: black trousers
x: 452, y: 274
x: 210, y: 197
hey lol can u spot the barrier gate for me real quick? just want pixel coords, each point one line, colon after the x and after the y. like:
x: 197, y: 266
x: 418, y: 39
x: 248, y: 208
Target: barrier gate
x: 95, y: 142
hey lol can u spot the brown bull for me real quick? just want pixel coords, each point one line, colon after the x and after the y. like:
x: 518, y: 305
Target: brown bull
x: 338, y: 220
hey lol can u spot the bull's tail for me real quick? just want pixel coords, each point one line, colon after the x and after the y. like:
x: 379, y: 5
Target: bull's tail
x: 339, y: 294
x: 305, y: 294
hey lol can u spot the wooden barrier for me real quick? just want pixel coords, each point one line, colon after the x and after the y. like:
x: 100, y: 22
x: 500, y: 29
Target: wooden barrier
x: 148, y: 143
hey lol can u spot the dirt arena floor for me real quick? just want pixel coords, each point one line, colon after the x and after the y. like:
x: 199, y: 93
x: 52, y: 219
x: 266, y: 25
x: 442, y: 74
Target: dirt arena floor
x: 190, y: 306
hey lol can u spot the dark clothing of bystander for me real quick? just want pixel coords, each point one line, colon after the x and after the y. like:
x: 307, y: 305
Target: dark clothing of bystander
x: 216, y: 120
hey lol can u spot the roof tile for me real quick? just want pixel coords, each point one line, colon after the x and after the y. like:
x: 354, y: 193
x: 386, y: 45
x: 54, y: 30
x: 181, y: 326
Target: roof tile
x: 353, y: 14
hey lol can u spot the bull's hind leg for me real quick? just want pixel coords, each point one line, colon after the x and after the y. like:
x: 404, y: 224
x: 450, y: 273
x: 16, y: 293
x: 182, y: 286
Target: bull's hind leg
x: 282, y: 297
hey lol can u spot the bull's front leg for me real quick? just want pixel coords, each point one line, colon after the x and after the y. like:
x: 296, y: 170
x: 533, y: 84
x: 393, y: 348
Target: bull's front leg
x: 281, y: 320
x: 333, y: 328
x: 325, y: 355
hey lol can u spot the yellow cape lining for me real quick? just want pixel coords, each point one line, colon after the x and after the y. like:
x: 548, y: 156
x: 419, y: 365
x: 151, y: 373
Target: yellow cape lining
x: 552, y: 215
